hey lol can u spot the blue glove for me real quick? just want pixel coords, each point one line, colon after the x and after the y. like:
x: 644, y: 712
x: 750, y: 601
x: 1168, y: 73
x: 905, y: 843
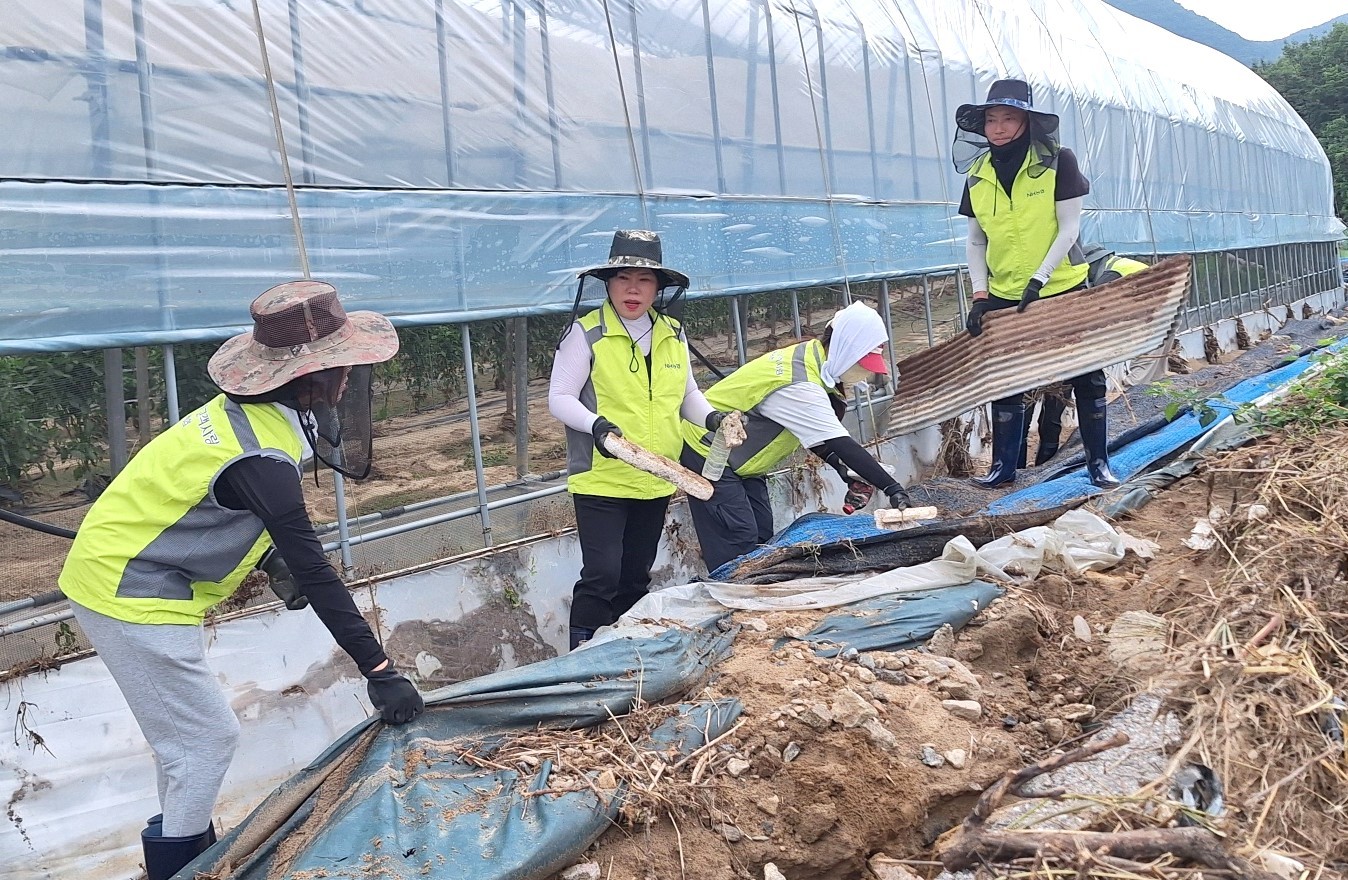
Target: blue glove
x: 1031, y: 294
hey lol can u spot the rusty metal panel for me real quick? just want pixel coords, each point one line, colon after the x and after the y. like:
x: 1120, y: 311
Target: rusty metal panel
x: 1056, y: 338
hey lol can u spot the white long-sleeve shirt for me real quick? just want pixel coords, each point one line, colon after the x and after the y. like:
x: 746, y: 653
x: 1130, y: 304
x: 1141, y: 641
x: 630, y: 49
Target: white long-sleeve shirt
x: 571, y: 370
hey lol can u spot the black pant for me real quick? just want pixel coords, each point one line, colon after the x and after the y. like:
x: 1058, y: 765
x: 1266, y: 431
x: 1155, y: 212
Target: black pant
x: 618, y: 540
x: 737, y: 518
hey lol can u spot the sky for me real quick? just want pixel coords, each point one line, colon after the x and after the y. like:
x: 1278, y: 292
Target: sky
x: 1262, y: 20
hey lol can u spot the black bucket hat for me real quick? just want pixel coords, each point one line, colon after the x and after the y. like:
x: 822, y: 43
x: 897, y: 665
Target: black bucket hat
x: 637, y: 249
x: 1004, y: 93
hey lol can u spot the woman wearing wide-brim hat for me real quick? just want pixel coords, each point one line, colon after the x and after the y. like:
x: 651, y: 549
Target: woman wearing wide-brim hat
x: 622, y: 369
x: 1023, y: 197
x: 177, y: 531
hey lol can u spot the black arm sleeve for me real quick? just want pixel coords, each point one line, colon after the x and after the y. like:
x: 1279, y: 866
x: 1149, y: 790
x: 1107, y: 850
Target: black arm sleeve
x: 966, y: 203
x: 1070, y: 182
x: 855, y: 456
x: 270, y: 488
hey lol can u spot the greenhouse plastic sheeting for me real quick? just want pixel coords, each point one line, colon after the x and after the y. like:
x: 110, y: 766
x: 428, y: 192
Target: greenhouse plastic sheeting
x: 1133, y: 458
x: 893, y: 623
x: 461, y: 160
x: 412, y: 807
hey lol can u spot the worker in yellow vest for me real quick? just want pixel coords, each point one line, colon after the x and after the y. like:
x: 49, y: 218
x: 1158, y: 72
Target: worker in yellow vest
x: 192, y: 514
x: 622, y: 369
x: 1105, y: 266
x: 1023, y: 197
x: 791, y: 397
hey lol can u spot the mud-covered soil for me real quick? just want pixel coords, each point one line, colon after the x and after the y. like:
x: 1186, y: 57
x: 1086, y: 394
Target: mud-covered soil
x: 1042, y: 680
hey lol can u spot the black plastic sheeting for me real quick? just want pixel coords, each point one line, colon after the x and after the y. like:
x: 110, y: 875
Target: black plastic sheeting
x: 895, y: 623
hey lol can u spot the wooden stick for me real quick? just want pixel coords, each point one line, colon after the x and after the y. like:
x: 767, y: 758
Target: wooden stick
x: 693, y: 754
x: 670, y: 471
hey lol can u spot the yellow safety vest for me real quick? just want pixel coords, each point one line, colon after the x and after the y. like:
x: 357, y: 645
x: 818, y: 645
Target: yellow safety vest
x: 768, y: 443
x: 157, y: 547
x: 643, y: 401
x: 1021, y: 228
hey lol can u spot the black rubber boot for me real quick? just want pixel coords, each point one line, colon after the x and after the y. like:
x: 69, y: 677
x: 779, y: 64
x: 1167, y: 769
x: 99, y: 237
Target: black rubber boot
x: 166, y: 856
x: 1094, y: 438
x: 1050, y: 427
x: 1008, y: 439
x: 579, y: 636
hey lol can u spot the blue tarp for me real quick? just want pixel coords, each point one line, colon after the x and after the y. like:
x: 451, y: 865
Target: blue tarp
x: 895, y: 623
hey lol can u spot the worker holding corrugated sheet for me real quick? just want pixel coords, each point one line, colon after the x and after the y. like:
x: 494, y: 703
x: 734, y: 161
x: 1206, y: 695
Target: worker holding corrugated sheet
x: 1023, y: 197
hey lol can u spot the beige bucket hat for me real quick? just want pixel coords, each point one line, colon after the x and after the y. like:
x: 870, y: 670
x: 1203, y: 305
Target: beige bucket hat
x: 299, y: 328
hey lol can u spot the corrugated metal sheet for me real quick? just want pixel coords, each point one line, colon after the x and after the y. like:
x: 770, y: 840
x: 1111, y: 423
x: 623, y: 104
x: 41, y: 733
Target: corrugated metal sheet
x: 1054, y: 339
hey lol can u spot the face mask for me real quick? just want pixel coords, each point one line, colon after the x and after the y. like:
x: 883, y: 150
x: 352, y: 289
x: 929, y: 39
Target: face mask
x: 856, y: 375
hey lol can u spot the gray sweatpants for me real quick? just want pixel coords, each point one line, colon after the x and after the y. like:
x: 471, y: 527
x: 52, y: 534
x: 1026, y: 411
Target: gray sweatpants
x: 182, y: 711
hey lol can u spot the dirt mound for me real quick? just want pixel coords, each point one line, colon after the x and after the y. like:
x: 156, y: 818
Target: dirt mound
x: 837, y: 759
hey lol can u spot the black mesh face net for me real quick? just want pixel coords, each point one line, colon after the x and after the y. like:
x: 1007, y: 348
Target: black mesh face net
x: 969, y: 145
x: 339, y: 419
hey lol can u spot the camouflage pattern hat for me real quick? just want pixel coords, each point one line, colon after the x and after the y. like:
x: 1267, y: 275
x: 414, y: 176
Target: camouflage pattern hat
x: 299, y: 328
x: 637, y: 249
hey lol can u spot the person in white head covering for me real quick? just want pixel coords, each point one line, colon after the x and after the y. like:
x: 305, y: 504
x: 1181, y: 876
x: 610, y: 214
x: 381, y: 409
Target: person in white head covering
x: 790, y: 398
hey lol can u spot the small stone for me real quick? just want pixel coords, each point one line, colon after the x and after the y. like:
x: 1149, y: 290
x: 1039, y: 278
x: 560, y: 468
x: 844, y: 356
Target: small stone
x: 890, y: 676
x: 816, y: 716
x: 942, y: 642
x: 1010, y: 721
x: 880, y: 735
x: 864, y: 675
x: 607, y: 781
x: 930, y: 756
x: 850, y: 709
x: 757, y: 624
x: 791, y: 752
x: 771, y: 872
x: 1078, y: 711
x: 958, y: 690
x: 1081, y: 628
x: 737, y: 767
x: 885, y: 868
x: 957, y: 758
x: 582, y: 871
x: 730, y: 833
x: 866, y: 661
x: 1055, y: 729
x: 967, y: 710
x: 770, y: 804
x: 848, y: 653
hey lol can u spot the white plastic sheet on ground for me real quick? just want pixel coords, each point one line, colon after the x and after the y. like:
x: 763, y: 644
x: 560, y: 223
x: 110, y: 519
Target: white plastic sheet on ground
x: 1076, y: 542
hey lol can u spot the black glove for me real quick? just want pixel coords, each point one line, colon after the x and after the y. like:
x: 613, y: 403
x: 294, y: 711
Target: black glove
x: 601, y: 428
x: 859, y: 493
x: 1031, y: 294
x: 974, y: 323
x: 898, y: 497
x: 714, y: 419
x: 280, y: 579
x: 396, y: 698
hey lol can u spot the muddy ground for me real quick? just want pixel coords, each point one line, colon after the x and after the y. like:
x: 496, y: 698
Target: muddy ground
x: 1038, y: 662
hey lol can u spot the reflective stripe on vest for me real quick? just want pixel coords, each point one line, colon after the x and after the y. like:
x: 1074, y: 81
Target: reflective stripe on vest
x: 1021, y: 228
x: 768, y: 443
x: 644, y: 402
x: 157, y: 547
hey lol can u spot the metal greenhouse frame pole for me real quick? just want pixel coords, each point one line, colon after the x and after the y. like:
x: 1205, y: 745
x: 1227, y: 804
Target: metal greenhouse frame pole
x: 471, y: 388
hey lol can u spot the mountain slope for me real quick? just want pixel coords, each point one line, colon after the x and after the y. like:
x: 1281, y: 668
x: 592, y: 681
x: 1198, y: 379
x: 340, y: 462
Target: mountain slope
x: 1188, y: 24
